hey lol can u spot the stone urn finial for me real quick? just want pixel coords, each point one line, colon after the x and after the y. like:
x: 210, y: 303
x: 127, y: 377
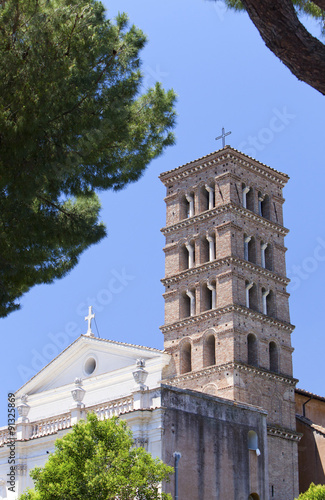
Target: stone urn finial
x: 140, y: 375
x: 78, y: 392
x: 23, y: 408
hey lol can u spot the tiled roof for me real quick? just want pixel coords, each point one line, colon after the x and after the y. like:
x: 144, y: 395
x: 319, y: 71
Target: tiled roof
x: 309, y: 394
x: 225, y: 150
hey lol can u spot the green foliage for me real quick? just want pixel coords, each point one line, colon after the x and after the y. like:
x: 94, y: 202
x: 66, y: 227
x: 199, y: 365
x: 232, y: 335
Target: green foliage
x: 74, y: 120
x: 96, y: 460
x: 314, y: 492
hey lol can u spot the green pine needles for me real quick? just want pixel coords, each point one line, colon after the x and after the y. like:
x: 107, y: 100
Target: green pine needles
x: 74, y: 120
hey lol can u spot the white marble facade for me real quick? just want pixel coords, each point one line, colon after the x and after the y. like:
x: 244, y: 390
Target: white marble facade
x: 92, y: 374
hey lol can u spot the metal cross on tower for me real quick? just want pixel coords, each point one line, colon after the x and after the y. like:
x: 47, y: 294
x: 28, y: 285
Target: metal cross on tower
x: 223, y: 136
x: 88, y: 318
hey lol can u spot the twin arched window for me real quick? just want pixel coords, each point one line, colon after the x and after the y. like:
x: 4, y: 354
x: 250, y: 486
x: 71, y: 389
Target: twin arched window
x: 252, y: 353
x: 209, y: 354
x: 206, y: 201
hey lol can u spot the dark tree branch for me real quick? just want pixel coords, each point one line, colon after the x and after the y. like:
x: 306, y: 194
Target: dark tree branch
x: 288, y: 39
x: 57, y: 207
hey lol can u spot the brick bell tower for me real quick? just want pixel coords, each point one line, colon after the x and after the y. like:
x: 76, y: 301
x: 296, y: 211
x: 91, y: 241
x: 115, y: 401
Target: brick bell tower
x: 227, y: 323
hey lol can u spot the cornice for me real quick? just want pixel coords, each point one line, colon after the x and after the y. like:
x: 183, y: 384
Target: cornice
x: 220, y: 262
x: 216, y: 313
x: 225, y: 154
x: 228, y: 207
x: 282, y: 432
x: 232, y: 366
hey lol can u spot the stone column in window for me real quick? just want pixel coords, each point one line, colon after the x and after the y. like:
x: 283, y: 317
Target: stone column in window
x: 190, y: 249
x: 263, y: 248
x: 245, y: 191
x: 211, y: 196
x: 264, y: 302
x: 248, y: 287
x: 212, y: 253
x: 190, y: 199
x: 191, y: 295
x: 213, y: 293
x: 260, y: 200
x: 247, y: 239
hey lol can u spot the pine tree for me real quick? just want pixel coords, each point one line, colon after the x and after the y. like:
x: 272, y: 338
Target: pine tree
x: 74, y: 120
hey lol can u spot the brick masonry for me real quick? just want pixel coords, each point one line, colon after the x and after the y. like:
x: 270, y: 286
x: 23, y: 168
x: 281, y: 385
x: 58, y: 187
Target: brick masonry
x: 231, y: 350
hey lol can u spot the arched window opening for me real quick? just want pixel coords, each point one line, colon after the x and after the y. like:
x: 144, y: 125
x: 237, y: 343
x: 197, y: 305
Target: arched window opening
x: 253, y: 496
x: 204, y: 199
x: 250, y: 200
x: 251, y: 296
x: 209, y: 353
x: 249, y: 249
x: 268, y: 258
x: 208, y: 296
x: 274, y: 357
x: 186, y: 358
x: 185, y: 306
x: 183, y: 208
x: 248, y: 197
x: 252, y: 440
x: 264, y: 205
x: 270, y: 304
x: 251, y: 350
x: 204, y: 250
x: 187, y: 206
x: 183, y: 258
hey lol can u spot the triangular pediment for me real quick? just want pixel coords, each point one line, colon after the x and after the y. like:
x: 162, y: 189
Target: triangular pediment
x: 87, y: 357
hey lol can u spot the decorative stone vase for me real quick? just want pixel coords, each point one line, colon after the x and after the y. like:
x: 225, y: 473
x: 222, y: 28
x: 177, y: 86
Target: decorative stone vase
x: 140, y: 375
x: 78, y: 392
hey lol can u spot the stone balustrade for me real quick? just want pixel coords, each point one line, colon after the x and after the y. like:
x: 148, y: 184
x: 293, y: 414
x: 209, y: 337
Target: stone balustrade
x: 4, y: 436
x: 50, y: 426
x: 112, y: 408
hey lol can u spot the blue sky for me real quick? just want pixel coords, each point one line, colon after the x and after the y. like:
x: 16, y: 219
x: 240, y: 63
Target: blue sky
x: 224, y: 77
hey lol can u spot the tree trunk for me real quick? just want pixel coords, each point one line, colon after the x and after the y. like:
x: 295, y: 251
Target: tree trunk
x: 288, y: 39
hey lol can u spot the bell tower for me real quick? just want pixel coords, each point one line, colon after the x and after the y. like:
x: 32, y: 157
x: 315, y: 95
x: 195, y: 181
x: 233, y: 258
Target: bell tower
x: 227, y: 323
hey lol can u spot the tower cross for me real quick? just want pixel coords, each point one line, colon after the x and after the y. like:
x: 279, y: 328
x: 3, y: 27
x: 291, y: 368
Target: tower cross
x: 88, y: 318
x: 223, y: 136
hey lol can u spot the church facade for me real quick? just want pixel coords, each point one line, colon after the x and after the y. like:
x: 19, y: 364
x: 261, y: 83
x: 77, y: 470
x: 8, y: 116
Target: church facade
x: 219, y: 401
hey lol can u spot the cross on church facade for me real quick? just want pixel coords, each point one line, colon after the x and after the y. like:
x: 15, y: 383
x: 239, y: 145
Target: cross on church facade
x: 223, y: 137
x: 88, y: 318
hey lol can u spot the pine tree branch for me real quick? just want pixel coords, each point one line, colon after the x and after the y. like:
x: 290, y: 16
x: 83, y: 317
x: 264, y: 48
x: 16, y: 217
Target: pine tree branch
x: 57, y: 207
x: 320, y: 4
x: 84, y: 98
x: 288, y: 39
